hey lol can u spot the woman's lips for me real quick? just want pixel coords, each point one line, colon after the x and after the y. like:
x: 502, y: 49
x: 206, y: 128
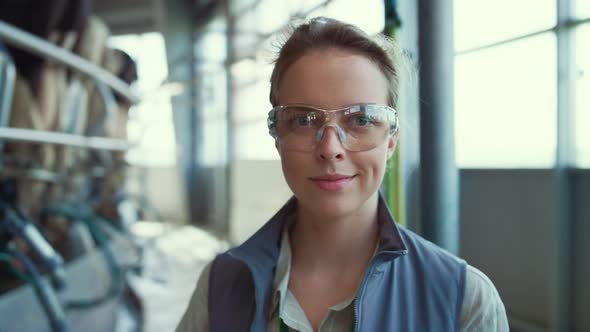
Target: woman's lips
x: 332, y: 182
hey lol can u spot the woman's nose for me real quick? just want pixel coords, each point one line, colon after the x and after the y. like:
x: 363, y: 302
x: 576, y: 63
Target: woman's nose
x: 329, y: 146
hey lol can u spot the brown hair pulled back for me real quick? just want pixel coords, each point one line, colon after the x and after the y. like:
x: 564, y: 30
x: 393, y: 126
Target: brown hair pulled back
x: 323, y: 33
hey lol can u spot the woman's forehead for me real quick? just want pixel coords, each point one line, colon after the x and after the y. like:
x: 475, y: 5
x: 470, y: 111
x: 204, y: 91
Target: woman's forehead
x: 333, y: 79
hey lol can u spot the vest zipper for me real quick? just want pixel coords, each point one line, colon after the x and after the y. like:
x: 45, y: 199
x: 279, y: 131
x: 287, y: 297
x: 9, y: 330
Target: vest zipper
x: 372, y: 264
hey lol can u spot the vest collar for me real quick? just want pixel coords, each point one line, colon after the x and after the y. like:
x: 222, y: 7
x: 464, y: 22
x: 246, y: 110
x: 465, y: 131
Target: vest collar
x: 261, y: 250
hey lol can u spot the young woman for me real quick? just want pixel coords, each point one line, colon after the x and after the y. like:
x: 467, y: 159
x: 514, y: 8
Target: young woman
x: 333, y: 259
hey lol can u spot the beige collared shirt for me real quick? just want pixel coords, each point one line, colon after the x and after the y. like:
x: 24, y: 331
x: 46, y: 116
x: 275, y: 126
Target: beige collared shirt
x: 340, y: 317
x: 482, y: 308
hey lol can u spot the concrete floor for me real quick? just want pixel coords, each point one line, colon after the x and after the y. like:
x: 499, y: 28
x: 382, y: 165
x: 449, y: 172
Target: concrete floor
x: 174, y: 259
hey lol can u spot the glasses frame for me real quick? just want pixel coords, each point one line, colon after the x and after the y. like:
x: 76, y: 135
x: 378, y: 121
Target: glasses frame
x: 272, y: 114
x: 271, y: 120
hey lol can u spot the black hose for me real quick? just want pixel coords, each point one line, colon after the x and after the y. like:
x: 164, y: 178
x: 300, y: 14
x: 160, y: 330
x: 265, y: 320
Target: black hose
x: 45, y: 294
x: 85, y: 215
x: 7, y: 258
x: 18, y: 225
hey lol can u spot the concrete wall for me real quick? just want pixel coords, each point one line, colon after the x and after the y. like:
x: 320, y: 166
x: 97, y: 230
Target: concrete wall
x: 507, y: 222
x: 164, y: 187
x: 581, y: 246
x: 258, y: 192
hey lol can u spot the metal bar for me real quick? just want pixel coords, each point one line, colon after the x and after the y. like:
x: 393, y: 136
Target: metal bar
x: 40, y: 136
x: 561, y: 279
x: 8, y: 76
x: 26, y: 41
x: 439, y: 173
x: 38, y: 174
x: 7, y: 80
x: 566, y: 24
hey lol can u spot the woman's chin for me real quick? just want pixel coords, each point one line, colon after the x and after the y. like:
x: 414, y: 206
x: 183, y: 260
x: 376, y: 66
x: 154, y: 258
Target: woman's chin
x: 329, y: 206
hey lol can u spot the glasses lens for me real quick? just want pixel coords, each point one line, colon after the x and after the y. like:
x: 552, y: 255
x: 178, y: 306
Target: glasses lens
x: 295, y: 127
x: 364, y: 126
x: 298, y: 121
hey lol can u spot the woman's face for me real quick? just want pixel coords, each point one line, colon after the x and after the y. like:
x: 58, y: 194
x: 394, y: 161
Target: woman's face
x: 331, y: 180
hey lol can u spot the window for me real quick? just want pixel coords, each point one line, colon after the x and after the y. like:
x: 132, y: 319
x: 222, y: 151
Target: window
x: 505, y: 105
x: 506, y: 83
x: 480, y: 22
x: 251, y: 106
x: 582, y: 115
x: 150, y: 122
x: 582, y: 8
x: 372, y: 20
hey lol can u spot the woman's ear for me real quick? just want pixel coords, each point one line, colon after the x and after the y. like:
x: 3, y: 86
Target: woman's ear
x: 392, y: 144
x: 277, y: 147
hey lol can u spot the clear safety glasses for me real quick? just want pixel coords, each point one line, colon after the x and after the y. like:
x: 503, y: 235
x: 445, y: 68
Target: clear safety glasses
x: 361, y: 127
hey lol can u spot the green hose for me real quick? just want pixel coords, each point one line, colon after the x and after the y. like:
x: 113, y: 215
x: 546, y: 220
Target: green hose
x: 393, y: 180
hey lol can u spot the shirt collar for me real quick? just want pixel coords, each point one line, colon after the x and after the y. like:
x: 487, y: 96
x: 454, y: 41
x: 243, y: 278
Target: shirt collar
x: 390, y: 244
x: 262, y: 249
x: 283, y: 271
x: 281, y: 279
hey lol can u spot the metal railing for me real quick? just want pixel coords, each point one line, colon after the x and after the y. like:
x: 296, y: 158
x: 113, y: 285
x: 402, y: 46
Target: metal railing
x: 21, y: 39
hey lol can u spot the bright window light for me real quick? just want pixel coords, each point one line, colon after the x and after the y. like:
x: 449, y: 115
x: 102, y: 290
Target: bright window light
x: 582, y: 8
x: 583, y: 97
x: 150, y: 122
x: 480, y: 22
x: 505, y: 105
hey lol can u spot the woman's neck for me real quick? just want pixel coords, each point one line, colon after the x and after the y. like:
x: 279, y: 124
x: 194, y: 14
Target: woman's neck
x: 335, y: 243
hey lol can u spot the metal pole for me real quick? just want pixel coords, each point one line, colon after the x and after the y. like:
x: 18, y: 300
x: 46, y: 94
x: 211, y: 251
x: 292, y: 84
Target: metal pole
x: 231, y: 127
x: 180, y: 34
x: 561, y: 280
x: 439, y: 174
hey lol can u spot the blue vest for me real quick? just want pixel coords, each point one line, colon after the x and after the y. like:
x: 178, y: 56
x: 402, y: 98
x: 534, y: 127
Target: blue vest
x: 410, y: 285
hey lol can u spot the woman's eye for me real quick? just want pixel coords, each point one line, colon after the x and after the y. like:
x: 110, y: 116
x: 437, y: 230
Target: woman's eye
x: 361, y: 121
x: 303, y: 120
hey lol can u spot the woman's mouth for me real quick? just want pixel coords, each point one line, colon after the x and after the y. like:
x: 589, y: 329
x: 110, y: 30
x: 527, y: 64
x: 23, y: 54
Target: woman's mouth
x: 332, y: 182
